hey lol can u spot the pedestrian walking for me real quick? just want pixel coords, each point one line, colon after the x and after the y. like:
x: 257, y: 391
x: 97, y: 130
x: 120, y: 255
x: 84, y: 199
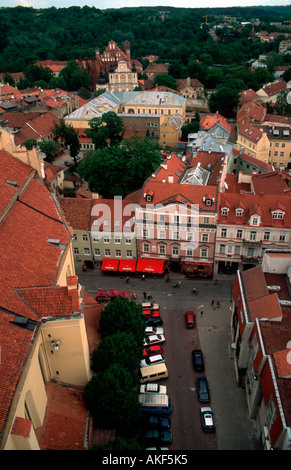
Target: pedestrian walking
x: 127, y: 279
x: 168, y: 277
x: 212, y: 302
x: 149, y: 295
x: 216, y: 282
x: 144, y: 295
x: 143, y: 278
x: 201, y: 310
x: 218, y: 304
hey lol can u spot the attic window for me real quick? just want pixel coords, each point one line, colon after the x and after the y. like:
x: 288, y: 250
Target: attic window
x: 278, y: 215
x: 239, y: 212
x: 224, y: 211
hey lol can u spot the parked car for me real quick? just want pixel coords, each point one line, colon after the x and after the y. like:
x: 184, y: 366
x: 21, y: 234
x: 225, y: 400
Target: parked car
x: 153, y: 388
x: 151, y: 350
x: 150, y: 360
x: 154, y: 436
x: 202, y: 389
x: 154, y: 330
x: 190, y: 319
x: 207, y: 419
x: 151, y: 305
x: 151, y: 313
x: 154, y: 339
x: 157, y: 422
x: 198, y: 362
x: 153, y: 321
x: 67, y: 163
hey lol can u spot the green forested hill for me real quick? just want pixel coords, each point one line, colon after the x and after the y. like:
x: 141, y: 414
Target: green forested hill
x: 174, y: 34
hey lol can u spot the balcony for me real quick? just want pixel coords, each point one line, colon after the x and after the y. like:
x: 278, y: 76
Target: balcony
x: 250, y: 259
x: 252, y: 243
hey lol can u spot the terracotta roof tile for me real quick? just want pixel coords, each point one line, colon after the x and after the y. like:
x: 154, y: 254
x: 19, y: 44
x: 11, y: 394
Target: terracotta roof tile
x: 15, y: 342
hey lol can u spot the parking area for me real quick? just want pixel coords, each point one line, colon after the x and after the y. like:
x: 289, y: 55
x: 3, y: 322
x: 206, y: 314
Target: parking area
x: 234, y: 430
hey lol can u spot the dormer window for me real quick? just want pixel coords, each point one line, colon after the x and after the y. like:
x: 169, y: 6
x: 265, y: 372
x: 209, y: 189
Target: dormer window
x: 208, y: 202
x: 255, y: 220
x: 239, y: 212
x: 278, y: 215
x: 224, y: 211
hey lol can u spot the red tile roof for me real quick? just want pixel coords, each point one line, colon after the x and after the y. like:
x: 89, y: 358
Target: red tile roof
x: 272, y: 182
x: 208, y: 121
x: 255, y: 204
x: 275, y: 88
x: 77, y: 212
x: 15, y: 343
x: 166, y: 193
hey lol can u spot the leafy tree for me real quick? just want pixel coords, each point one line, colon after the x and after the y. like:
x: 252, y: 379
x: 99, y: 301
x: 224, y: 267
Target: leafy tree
x: 7, y: 78
x: 112, y: 401
x: 192, y: 127
x: 120, y: 168
x: 84, y: 93
x: 114, y: 349
x: 29, y: 144
x: 122, y: 315
x: 49, y: 148
x: 166, y: 80
x: 33, y: 73
x: 68, y: 135
x: 74, y: 77
x: 141, y: 158
x: 106, y: 131
x: 24, y: 83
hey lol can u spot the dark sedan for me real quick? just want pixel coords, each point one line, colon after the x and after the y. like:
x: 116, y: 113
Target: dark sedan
x: 157, y: 422
x: 154, y: 436
x: 202, y: 389
x: 198, y: 362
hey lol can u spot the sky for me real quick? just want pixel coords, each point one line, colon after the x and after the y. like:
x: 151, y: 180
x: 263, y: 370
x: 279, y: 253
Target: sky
x: 104, y: 4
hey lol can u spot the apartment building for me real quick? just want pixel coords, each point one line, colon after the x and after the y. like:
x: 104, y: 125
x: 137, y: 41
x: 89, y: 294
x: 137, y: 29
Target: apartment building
x: 42, y: 326
x: 261, y: 347
x: 160, y: 113
x: 103, y: 230
x: 248, y: 224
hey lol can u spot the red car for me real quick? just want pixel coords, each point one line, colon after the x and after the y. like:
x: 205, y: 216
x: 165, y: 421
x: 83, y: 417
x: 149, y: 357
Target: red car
x: 150, y: 350
x: 190, y: 319
x: 151, y: 313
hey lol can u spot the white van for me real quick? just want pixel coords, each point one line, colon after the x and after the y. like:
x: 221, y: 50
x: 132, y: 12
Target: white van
x: 155, y: 403
x: 152, y: 373
x: 150, y: 360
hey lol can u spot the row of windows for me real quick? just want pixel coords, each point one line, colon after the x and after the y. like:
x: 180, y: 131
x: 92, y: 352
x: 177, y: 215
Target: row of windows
x: 237, y: 249
x: 254, y: 235
x: 190, y: 236
x: 150, y: 216
x: 176, y: 251
x: 107, y: 252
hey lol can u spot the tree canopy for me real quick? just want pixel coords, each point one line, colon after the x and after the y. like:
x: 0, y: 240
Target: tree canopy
x: 122, y: 168
x: 106, y: 131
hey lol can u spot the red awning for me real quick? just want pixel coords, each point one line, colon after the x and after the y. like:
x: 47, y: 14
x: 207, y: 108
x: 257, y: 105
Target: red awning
x: 151, y: 266
x: 126, y: 295
x: 110, y: 265
x: 127, y: 265
x: 114, y: 293
x: 101, y: 293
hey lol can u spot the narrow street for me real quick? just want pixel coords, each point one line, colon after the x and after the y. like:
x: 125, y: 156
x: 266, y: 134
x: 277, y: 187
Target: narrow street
x: 234, y: 430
